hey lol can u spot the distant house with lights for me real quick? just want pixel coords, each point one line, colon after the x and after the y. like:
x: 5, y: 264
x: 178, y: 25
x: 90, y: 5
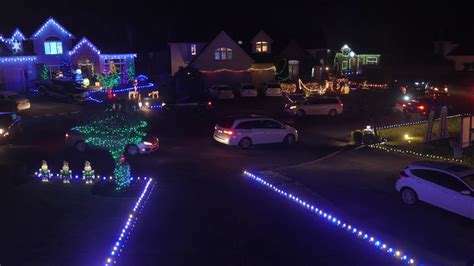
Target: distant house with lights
x: 463, y: 57
x: 54, y: 48
x: 347, y: 62
x: 226, y: 61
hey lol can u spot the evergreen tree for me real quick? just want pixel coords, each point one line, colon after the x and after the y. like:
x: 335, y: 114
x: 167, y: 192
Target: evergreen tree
x: 44, y: 73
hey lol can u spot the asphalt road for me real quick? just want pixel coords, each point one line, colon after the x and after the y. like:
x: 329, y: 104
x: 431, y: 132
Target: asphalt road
x: 203, y: 212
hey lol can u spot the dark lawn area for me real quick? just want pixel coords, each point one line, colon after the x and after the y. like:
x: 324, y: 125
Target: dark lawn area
x: 57, y: 224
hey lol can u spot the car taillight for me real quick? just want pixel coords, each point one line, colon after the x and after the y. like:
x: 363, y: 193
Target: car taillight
x: 403, y: 174
x: 209, y: 103
x: 404, y: 105
x: 342, y: 104
x: 421, y: 107
x: 228, y: 132
x: 67, y: 135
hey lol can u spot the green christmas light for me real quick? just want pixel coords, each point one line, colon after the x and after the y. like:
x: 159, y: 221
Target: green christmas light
x: 115, y: 132
x: 44, y: 73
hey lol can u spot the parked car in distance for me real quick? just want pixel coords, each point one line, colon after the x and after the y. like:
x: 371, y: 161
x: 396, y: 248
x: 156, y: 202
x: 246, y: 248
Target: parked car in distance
x: 12, y: 101
x: 10, y: 126
x: 248, y: 130
x: 247, y: 90
x: 77, y: 140
x: 331, y: 106
x: 64, y: 89
x: 445, y: 185
x: 424, y: 106
x: 193, y: 103
x: 271, y: 89
x: 222, y: 92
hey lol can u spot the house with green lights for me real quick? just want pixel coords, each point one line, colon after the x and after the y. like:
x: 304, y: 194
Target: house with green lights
x: 348, y: 62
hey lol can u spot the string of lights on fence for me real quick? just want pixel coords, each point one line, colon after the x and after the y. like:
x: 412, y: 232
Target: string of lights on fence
x: 413, y: 123
x: 381, y: 146
x: 343, y: 225
x: 97, y: 177
x: 130, y: 223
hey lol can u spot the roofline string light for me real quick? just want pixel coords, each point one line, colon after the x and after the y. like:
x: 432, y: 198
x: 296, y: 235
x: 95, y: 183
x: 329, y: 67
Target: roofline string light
x: 118, y: 56
x: 372, y: 240
x: 18, y: 32
x: 127, y: 229
x: 273, y: 68
x: 381, y: 146
x: 56, y: 24
x: 14, y: 59
x: 84, y: 40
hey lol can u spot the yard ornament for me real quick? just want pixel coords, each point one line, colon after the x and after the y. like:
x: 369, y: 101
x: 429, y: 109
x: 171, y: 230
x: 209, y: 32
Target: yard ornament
x: 88, y: 173
x: 66, y: 173
x: 44, y: 172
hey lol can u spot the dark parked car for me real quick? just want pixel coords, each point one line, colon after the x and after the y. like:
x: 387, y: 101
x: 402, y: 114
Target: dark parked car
x: 424, y: 106
x: 10, y: 126
x: 195, y: 103
x: 64, y: 89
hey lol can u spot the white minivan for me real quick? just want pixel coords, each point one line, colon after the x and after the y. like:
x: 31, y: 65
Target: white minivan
x: 331, y: 106
x: 272, y: 89
x: 222, y: 92
x: 445, y: 185
x: 245, y: 131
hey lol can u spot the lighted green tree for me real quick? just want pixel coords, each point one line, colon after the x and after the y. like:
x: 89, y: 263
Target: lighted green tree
x: 114, y: 131
x: 110, y: 80
x: 131, y: 71
x: 44, y: 73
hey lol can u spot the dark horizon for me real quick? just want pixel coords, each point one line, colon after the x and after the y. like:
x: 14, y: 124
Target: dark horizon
x: 391, y: 28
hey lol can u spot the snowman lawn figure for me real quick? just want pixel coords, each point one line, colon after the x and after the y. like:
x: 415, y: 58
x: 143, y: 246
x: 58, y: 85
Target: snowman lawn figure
x: 88, y: 173
x: 44, y: 172
x: 66, y: 173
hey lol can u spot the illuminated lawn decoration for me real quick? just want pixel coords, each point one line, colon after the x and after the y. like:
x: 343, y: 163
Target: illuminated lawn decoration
x: 132, y: 218
x: 343, y: 225
x: 114, y: 131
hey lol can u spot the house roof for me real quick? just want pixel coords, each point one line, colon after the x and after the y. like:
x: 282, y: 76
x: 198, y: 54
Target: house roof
x: 51, y: 22
x: 463, y: 50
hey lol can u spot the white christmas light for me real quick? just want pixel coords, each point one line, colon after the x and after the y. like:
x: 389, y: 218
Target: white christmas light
x: 84, y: 41
x: 132, y: 217
x: 17, y: 59
x: 373, y: 241
x: 53, y: 23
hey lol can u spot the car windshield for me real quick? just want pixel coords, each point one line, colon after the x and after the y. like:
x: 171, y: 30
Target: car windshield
x: 225, y: 88
x: 274, y: 85
x: 14, y: 96
x: 247, y: 87
x: 469, y: 179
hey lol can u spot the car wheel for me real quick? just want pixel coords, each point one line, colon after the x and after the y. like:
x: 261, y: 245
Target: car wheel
x: 409, y: 196
x: 245, y: 143
x: 332, y: 113
x: 132, y: 150
x: 81, y: 146
x: 300, y: 113
x: 289, y: 139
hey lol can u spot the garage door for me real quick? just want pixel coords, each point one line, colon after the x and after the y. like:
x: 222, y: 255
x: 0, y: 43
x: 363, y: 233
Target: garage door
x: 14, y: 80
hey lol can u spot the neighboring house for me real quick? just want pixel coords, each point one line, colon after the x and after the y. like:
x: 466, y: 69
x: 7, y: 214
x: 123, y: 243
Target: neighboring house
x: 52, y: 46
x: 463, y: 57
x: 225, y: 61
x: 347, y: 62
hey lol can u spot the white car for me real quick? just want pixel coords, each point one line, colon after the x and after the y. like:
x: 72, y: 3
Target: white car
x: 272, y: 89
x: 245, y: 131
x: 331, y: 106
x: 247, y: 90
x: 446, y: 185
x: 14, y: 100
x: 222, y: 92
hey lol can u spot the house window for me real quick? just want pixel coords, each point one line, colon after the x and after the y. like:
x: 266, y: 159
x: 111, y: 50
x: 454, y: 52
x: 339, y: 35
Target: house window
x: 53, y: 46
x: 52, y: 70
x: 345, y: 65
x: 261, y: 47
x: 193, y: 49
x: 371, y: 61
x: 293, y: 69
x: 223, y: 54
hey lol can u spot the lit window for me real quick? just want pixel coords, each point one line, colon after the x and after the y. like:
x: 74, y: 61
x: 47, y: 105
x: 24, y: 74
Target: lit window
x: 223, y: 54
x: 261, y: 47
x: 193, y: 49
x: 371, y: 60
x: 345, y: 65
x: 293, y: 69
x: 53, y: 46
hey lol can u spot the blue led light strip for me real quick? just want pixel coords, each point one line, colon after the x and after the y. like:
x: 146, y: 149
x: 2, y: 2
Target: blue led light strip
x: 127, y: 229
x: 372, y: 240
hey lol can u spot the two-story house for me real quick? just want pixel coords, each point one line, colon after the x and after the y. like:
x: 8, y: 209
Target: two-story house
x: 347, y: 62
x: 52, y: 47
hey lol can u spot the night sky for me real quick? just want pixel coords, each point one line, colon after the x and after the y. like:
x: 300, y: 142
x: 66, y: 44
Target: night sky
x: 399, y: 30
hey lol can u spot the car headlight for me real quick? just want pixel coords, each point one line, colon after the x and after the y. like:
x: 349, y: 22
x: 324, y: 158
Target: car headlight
x: 1, y: 131
x: 163, y: 104
x: 147, y: 143
x: 292, y: 107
